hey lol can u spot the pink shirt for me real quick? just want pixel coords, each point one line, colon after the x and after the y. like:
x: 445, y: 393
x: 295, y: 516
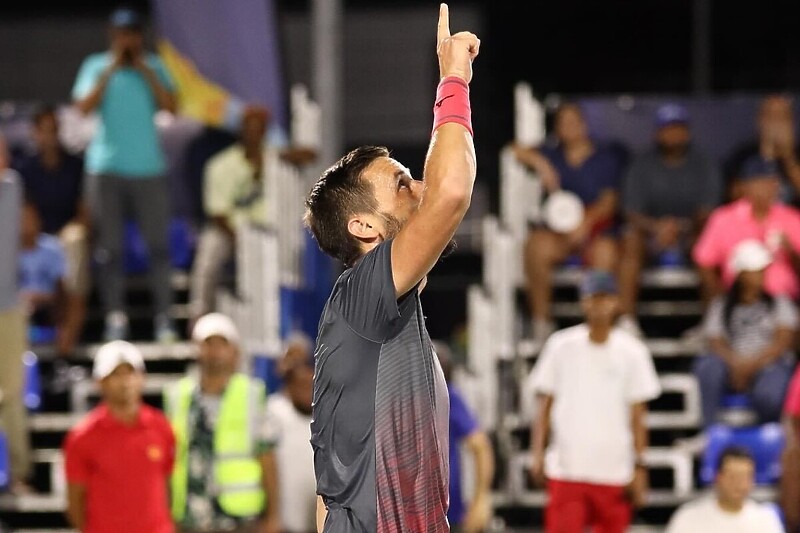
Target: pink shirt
x: 731, y: 224
x: 791, y: 405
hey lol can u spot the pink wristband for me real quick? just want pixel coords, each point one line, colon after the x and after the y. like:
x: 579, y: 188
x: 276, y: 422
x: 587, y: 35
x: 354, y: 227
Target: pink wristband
x: 452, y: 103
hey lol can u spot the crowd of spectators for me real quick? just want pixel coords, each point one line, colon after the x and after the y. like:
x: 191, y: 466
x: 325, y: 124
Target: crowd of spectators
x: 736, y: 224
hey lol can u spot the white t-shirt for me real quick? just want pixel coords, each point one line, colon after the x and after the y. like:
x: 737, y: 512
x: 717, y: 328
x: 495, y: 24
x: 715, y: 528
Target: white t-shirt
x: 706, y: 516
x: 593, y: 388
x: 298, y: 486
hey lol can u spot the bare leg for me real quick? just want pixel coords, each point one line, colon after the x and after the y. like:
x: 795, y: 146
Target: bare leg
x: 630, y: 269
x: 543, y: 250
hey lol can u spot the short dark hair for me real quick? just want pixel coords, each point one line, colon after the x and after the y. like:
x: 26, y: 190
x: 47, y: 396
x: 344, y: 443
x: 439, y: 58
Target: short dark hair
x: 733, y: 452
x: 339, y: 194
x: 41, y: 112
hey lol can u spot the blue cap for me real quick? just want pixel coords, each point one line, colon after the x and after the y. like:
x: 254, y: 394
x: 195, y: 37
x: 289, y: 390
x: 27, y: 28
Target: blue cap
x: 598, y: 282
x: 757, y: 167
x: 668, y: 114
x: 125, y: 18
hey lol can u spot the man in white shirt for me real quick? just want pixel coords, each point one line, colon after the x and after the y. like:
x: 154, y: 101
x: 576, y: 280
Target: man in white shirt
x: 593, y: 383
x: 289, y: 421
x: 730, y: 509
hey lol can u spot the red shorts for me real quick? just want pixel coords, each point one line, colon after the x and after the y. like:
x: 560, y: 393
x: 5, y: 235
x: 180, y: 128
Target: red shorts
x: 575, y: 506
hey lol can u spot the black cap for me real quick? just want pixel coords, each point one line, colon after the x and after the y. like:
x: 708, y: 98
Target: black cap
x: 598, y: 282
x: 126, y: 19
x: 757, y: 167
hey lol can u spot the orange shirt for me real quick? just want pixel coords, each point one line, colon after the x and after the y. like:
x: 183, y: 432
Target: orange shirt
x: 125, y: 469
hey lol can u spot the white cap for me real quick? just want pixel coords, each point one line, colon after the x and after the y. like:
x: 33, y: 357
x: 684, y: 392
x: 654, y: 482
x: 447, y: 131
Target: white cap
x: 215, y: 324
x: 749, y: 256
x: 563, y: 211
x: 113, y: 354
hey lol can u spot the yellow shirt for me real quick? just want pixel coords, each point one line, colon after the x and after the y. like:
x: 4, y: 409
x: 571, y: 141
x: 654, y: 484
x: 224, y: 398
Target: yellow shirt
x: 230, y: 189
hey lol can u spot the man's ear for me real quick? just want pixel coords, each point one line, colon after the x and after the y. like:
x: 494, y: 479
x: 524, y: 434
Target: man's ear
x: 363, y: 228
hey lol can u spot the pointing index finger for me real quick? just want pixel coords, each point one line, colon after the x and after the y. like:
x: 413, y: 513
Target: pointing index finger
x: 443, y: 31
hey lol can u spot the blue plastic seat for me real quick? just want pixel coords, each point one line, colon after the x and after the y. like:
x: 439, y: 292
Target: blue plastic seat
x: 181, y: 247
x: 32, y: 392
x: 764, y: 442
x: 5, y: 466
x: 41, y: 334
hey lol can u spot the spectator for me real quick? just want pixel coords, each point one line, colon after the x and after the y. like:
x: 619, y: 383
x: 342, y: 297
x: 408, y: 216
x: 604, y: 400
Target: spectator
x: 750, y: 334
x: 757, y: 215
x: 118, y: 458
x: 591, y: 171
x: 730, y: 509
x: 42, y: 269
x: 53, y: 182
x: 225, y: 476
x: 464, y: 430
x: 13, y: 328
x: 233, y: 193
x: 127, y: 86
x: 790, y: 460
x: 289, y: 419
x: 593, y: 383
x: 668, y: 195
x: 776, y: 142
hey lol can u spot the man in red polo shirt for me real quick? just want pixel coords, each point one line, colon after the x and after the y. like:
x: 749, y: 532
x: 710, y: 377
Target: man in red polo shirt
x: 119, y: 458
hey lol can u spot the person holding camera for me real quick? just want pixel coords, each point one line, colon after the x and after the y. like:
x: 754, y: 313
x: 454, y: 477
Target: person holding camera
x: 126, y: 86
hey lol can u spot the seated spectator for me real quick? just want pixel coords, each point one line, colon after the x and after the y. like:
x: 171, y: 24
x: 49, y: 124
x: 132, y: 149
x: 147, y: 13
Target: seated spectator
x: 53, y: 181
x: 757, y: 215
x: 667, y: 196
x: 591, y: 171
x: 289, y: 420
x: 593, y: 383
x: 465, y: 432
x: 750, y: 335
x: 790, y: 460
x: 776, y: 142
x: 42, y: 269
x: 730, y: 508
x: 233, y: 193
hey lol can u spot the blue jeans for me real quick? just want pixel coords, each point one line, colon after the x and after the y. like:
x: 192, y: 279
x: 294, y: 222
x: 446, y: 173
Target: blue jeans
x: 767, y: 390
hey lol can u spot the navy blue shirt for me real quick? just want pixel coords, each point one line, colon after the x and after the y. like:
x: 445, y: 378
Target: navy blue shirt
x: 54, y: 192
x: 602, y: 170
x: 462, y: 425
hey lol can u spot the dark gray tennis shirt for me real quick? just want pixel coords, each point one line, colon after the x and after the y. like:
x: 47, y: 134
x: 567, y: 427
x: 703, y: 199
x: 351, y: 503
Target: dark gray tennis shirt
x: 379, y: 425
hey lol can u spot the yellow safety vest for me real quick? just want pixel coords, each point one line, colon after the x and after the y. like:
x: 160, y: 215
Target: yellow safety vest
x: 237, y: 470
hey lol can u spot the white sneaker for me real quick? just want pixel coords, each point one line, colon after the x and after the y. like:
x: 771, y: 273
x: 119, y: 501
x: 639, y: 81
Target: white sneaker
x: 629, y: 324
x: 116, y: 326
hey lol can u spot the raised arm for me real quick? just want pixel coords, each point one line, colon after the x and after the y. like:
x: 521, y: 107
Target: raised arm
x: 449, y: 166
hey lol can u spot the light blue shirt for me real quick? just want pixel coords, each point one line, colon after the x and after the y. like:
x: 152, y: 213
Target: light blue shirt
x: 42, y: 267
x: 126, y: 143
x: 10, y: 201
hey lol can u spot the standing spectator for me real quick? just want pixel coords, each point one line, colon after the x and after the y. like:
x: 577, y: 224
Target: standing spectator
x: 464, y: 430
x: 42, y: 268
x: 118, y: 458
x: 233, y: 196
x: 730, y: 509
x: 757, y: 215
x: 593, y: 172
x: 225, y: 476
x: 593, y: 382
x: 13, y: 327
x: 750, y: 334
x: 289, y: 420
x: 127, y: 86
x: 668, y: 195
x: 53, y: 182
x: 776, y: 142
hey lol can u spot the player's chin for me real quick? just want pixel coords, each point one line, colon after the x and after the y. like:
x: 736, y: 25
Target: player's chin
x: 451, y: 247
